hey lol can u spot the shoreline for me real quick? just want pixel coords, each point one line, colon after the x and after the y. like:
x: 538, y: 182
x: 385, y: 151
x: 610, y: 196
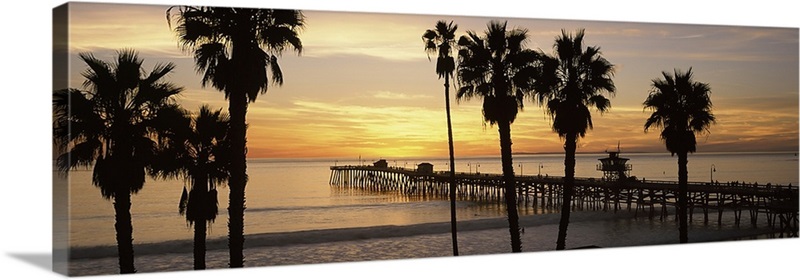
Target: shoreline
x: 312, y: 237
x: 338, y: 235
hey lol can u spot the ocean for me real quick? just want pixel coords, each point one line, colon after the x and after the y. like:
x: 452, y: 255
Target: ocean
x: 294, y: 216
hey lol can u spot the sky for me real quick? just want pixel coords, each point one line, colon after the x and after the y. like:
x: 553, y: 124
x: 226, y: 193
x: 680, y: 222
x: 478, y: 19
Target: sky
x: 363, y: 85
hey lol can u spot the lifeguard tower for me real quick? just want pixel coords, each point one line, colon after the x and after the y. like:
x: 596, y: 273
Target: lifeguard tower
x: 425, y: 168
x: 614, y: 167
x: 381, y: 164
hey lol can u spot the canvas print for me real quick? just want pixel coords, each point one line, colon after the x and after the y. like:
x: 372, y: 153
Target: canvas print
x: 195, y: 137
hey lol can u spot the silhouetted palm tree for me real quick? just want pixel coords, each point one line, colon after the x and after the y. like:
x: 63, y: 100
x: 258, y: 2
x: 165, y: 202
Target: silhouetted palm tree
x: 440, y: 41
x: 500, y: 70
x: 236, y: 49
x: 681, y: 107
x: 110, y: 127
x: 571, y: 81
x: 197, y: 150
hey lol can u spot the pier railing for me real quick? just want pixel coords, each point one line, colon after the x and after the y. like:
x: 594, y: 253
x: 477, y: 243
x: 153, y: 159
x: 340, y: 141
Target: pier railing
x: 778, y: 203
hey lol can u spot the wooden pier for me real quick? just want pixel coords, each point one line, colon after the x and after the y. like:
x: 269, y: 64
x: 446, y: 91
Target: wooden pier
x: 778, y: 204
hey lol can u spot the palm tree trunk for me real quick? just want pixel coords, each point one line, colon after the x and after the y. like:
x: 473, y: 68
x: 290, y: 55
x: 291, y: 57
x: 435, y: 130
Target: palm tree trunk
x: 200, y: 244
x: 683, y: 181
x: 238, y: 178
x: 124, y: 228
x: 199, y: 197
x: 504, y: 129
x: 569, y: 188
x: 453, y: 229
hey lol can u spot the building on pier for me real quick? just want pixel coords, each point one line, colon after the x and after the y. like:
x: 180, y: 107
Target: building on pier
x: 614, y: 167
x: 382, y: 163
x: 425, y: 168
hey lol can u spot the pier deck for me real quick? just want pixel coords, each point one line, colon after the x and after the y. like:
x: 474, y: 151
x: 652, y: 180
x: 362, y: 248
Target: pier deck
x: 779, y: 204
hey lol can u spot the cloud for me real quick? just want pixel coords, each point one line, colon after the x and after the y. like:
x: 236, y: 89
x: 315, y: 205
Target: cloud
x: 97, y: 26
x: 399, y: 96
x: 694, y: 36
x: 326, y: 128
x: 391, y: 37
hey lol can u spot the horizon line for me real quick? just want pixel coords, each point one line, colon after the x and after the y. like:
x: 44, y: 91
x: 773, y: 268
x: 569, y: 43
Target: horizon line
x: 523, y: 154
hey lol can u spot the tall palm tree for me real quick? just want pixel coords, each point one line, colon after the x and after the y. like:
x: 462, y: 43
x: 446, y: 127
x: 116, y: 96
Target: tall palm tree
x: 571, y: 81
x: 440, y: 41
x: 500, y: 70
x: 237, y: 50
x: 110, y: 126
x: 681, y: 108
x: 197, y: 150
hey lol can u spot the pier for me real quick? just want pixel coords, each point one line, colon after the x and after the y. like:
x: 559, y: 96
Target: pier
x: 778, y: 204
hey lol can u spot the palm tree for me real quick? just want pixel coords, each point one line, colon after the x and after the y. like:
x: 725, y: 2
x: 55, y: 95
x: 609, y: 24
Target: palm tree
x: 499, y: 69
x: 197, y: 150
x: 681, y: 107
x: 110, y: 127
x: 440, y: 41
x: 571, y: 81
x: 236, y: 49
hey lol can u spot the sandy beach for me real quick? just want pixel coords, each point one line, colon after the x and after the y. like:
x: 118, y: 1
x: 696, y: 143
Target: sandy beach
x: 476, y: 237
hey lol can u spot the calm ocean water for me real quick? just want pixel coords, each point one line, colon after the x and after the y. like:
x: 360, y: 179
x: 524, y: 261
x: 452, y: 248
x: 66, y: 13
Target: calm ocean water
x: 294, y: 195
x: 286, y: 196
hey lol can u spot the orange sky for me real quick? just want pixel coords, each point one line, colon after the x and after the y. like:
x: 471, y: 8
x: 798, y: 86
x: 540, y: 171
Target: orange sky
x: 364, y: 85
